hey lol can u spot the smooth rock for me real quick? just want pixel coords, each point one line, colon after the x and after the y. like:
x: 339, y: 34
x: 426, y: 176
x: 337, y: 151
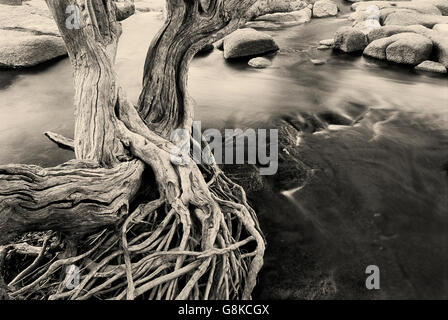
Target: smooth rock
x: 327, y: 42
x: 207, y: 48
x: 439, y: 39
x: 385, y: 32
x: 318, y: 62
x: 406, y: 18
x: 409, y: 49
x: 259, y: 62
x: 405, y: 48
x: 248, y: 42
x: 442, y: 5
x: 365, y: 26
x: 300, y: 16
x: 262, y: 7
x: 219, y: 44
x: 377, y: 48
x: 11, y: 2
x: 21, y: 49
x: 325, y: 8
x: 349, y: 39
x: 28, y: 35
x: 431, y: 66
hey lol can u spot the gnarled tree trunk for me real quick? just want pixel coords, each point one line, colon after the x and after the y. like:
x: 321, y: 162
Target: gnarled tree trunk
x: 194, y: 235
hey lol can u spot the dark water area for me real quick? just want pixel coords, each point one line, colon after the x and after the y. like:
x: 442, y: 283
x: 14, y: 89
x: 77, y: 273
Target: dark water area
x: 378, y: 192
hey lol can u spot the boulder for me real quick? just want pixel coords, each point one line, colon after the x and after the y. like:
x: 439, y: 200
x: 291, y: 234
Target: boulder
x: 405, y: 48
x: 300, y: 16
x: 21, y: 49
x: 407, y: 18
x: 385, y: 32
x: 439, y: 39
x: 377, y: 48
x: 431, y: 66
x: 27, y: 18
x: 349, y: 39
x: 325, y: 8
x: 440, y: 42
x: 419, y: 7
x: 248, y: 42
x: 442, y: 5
x: 362, y: 6
x: 409, y: 49
x: 28, y: 35
x: 259, y: 62
x: 11, y: 2
x: 318, y: 62
x: 262, y: 7
x: 124, y: 10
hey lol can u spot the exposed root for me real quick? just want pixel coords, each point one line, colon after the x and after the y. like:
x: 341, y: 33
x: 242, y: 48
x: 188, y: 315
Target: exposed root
x: 60, y: 140
x: 161, y: 251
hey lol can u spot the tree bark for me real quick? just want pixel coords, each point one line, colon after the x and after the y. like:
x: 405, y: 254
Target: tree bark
x: 164, y: 102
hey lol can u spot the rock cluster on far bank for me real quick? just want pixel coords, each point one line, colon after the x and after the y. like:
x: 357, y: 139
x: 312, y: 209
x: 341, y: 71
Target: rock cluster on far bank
x: 406, y: 32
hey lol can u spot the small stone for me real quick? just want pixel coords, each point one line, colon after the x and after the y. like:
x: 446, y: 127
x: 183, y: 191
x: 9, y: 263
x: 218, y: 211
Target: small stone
x: 327, y: 42
x: 318, y: 62
x: 431, y: 66
x: 259, y: 63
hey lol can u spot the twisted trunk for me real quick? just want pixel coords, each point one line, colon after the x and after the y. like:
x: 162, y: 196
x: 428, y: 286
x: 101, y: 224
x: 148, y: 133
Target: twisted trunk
x: 190, y: 25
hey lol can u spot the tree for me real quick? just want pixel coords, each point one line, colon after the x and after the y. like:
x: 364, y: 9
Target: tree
x: 133, y: 221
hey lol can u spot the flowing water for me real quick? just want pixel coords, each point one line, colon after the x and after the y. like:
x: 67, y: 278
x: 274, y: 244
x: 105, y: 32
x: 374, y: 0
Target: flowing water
x: 378, y: 194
